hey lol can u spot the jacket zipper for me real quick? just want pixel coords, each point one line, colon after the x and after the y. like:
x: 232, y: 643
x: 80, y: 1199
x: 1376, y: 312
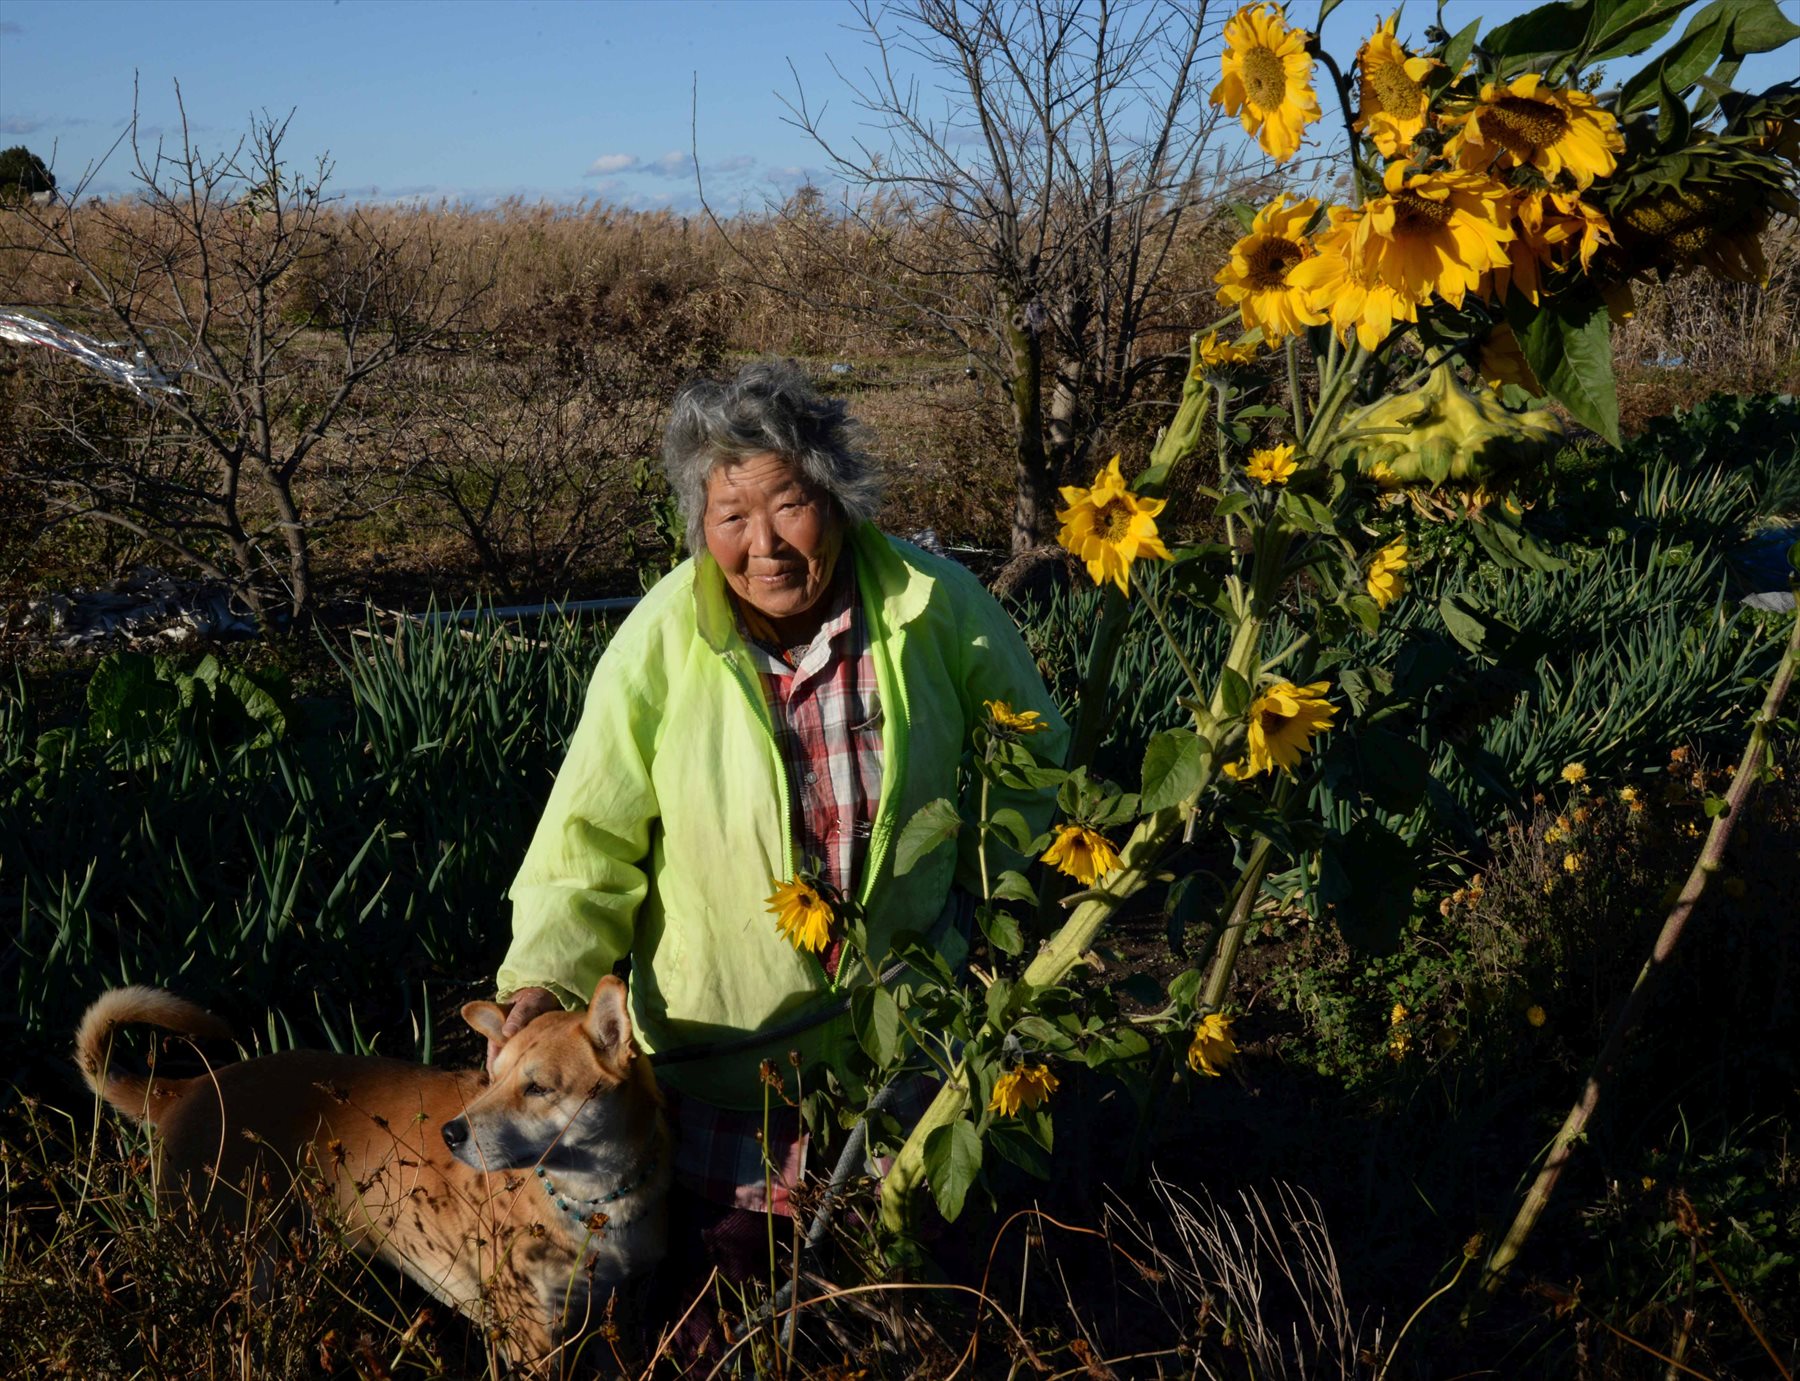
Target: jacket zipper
x: 781, y: 776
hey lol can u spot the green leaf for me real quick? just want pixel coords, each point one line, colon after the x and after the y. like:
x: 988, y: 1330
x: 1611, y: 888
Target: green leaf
x: 1013, y: 886
x: 1629, y: 27
x: 1002, y: 930
x: 1457, y: 50
x: 1011, y: 826
x: 1367, y: 875
x: 935, y: 822
x: 1471, y: 625
x: 1693, y: 55
x: 1245, y: 213
x: 1553, y: 30
x: 1759, y: 26
x: 1392, y: 771
x: 1174, y: 763
x: 1325, y: 9
x: 1013, y: 1141
x: 1568, y: 343
x: 1234, y: 691
x: 1230, y: 504
x: 952, y: 1160
x: 1715, y: 806
x: 1674, y: 122
x: 1511, y: 546
x: 876, y: 1017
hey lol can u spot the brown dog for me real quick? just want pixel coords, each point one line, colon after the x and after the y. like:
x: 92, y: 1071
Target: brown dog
x: 520, y: 1201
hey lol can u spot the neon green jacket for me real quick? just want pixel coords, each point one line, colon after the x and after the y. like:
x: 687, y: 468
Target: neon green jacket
x: 667, y: 825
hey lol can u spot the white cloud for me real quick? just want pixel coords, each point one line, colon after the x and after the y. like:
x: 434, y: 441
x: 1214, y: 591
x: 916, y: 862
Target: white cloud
x: 672, y: 164
x: 19, y: 124
x: 611, y: 163
x: 735, y: 164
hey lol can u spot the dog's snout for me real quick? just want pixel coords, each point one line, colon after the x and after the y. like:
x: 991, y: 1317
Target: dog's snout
x: 456, y: 1132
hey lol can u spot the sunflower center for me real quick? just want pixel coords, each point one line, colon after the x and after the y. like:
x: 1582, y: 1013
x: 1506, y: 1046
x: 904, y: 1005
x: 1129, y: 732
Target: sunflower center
x: 1270, y: 262
x: 1113, y: 522
x: 1419, y: 215
x: 1272, y: 721
x: 1265, y: 77
x: 1524, y: 126
x: 1397, y: 93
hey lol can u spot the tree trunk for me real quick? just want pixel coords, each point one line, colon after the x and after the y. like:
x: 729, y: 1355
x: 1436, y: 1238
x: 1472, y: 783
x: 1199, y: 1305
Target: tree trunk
x: 1034, y: 502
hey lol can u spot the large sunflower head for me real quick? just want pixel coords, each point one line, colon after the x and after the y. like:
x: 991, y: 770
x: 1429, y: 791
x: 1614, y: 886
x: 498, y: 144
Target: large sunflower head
x: 1343, y: 281
x: 1283, y: 721
x: 1258, y: 280
x: 1392, y: 100
x: 1266, y: 79
x: 1435, y: 234
x: 1083, y: 854
x: 1109, y: 527
x: 802, y: 914
x: 1707, y: 209
x: 1529, y: 124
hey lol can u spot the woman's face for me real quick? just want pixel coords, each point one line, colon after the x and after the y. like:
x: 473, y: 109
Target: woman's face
x: 774, y: 535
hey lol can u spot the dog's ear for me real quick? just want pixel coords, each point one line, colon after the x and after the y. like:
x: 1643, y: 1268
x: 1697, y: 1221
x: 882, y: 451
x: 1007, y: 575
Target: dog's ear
x: 609, y: 1016
x: 488, y: 1018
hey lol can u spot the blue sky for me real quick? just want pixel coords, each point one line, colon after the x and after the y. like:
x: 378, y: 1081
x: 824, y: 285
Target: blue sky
x: 482, y: 99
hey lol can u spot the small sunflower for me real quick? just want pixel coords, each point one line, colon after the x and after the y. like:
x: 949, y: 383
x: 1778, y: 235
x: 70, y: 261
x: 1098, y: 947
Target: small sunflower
x: 1551, y: 230
x: 1392, y: 101
x: 1004, y: 718
x: 1272, y: 466
x: 1258, y: 280
x: 1535, y: 1015
x: 1212, y: 1047
x: 1218, y: 354
x: 1386, y: 577
x: 1283, y: 720
x: 1499, y: 360
x: 1109, y: 527
x: 1435, y: 234
x: 802, y: 914
x: 1024, y: 1087
x: 1266, y: 79
x: 1574, y: 772
x: 1531, y: 124
x: 1083, y: 854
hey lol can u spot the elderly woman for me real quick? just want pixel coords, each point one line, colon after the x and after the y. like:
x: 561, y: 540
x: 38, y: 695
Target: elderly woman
x: 786, y: 698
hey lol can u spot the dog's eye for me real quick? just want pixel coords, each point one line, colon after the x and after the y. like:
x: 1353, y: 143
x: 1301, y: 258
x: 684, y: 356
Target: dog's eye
x: 533, y: 1089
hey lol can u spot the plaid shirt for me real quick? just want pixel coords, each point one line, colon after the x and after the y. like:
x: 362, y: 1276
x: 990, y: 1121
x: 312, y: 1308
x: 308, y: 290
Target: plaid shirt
x: 827, y: 717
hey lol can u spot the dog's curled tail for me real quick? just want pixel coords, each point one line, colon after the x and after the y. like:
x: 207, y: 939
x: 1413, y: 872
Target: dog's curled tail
x: 136, y: 1095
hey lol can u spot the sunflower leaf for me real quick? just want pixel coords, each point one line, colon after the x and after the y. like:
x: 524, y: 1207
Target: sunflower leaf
x: 1367, y: 876
x: 1684, y: 64
x: 1234, y: 691
x: 952, y: 1160
x: 1627, y: 28
x: 1759, y: 26
x: 934, y: 822
x: 876, y: 1017
x: 1568, y: 344
x: 1174, y: 762
x: 1552, y: 30
x: 1457, y: 50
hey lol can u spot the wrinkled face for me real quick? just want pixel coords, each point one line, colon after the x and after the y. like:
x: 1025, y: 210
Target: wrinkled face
x: 774, y: 535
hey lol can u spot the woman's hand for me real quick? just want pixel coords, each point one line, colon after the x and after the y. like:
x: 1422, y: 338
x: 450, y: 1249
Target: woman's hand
x: 528, y: 1004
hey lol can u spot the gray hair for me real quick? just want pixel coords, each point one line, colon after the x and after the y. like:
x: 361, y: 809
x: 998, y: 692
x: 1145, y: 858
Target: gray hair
x: 769, y: 407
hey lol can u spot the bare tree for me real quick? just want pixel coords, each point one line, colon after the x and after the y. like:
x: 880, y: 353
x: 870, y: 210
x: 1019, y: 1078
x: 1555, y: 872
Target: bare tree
x: 265, y: 314
x: 1026, y: 204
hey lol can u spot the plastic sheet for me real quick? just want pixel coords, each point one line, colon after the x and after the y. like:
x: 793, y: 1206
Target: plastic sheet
x: 138, y: 373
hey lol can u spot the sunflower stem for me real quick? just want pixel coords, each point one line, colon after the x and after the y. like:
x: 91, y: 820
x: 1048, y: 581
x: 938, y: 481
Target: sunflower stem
x: 1358, y: 176
x: 1293, y: 377
x: 1242, y: 901
x: 1187, y: 667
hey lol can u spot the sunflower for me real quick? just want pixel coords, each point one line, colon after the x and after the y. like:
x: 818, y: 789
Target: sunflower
x: 1272, y: 466
x: 1499, y: 360
x: 1217, y: 354
x: 1550, y: 230
x: 802, y: 914
x: 1023, y: 1087
x: 1573, y: 773
x: 1283, y: 720
x: 1109, y: 527
x: 1212, y: 1048
x: 1340, y: 281
x: 1258, y: 279
x: 1085, y: 855
x: 1386, y: 577
x: 1434, y: 234
x: 1003, y: 718
x: 1266, y: 79
x: 1713, y: 217
x: 1392, y: 103
x: 1529, y: 124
